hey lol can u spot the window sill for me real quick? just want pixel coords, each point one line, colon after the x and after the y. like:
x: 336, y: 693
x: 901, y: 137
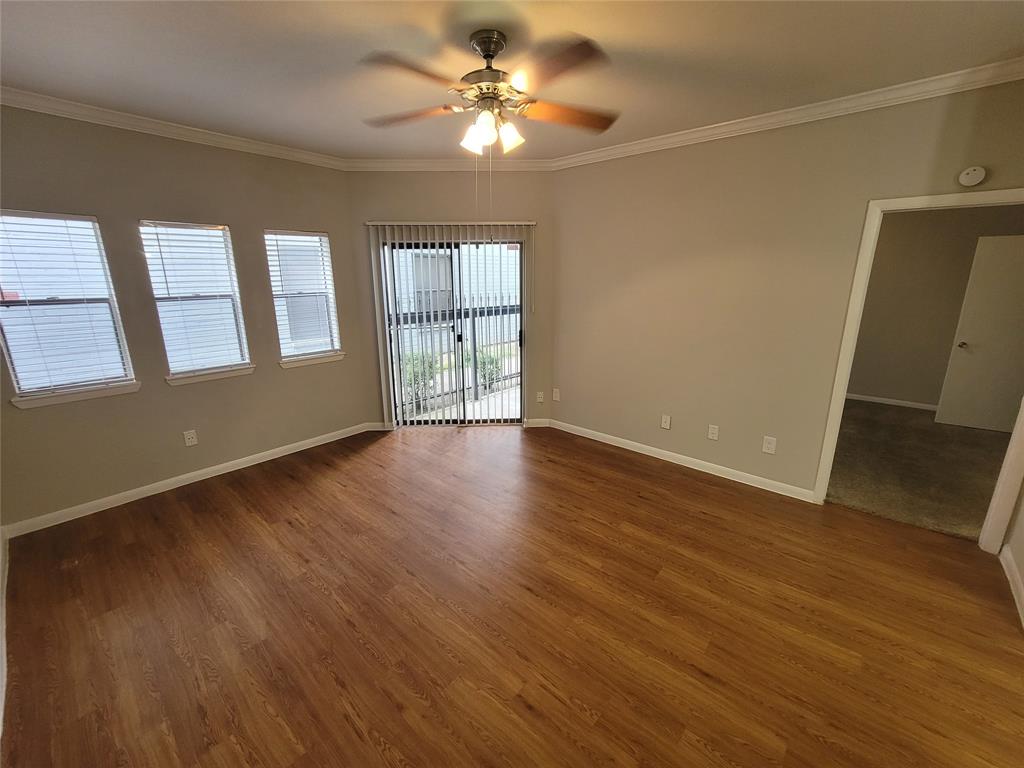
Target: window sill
x: 178, y: 379
x: 87, y: 393
x: 298, y: 362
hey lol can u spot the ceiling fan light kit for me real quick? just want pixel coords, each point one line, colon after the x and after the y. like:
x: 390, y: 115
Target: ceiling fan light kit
x: 510, y: 137
x: 493, y: 96
x: 488, y: 127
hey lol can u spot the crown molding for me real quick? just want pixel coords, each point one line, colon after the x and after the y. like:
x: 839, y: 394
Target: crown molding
x: 904, y: 93
x: 454, y: 164
x: 51, y: 105
x: 37, y: 102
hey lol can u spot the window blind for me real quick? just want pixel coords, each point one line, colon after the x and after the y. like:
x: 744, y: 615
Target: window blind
x: 61, y: 329
x: 192, y: 270
x: 302, y: 282
x: 449, y: 303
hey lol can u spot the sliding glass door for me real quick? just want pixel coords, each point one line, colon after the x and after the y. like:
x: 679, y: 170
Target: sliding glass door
x: 453, y: 311
x: 426, y: 349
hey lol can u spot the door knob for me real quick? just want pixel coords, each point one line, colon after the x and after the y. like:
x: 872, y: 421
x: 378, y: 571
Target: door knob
x: 962, y: 345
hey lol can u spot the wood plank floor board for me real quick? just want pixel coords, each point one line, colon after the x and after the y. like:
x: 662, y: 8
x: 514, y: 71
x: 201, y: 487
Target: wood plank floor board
x: 500, y: 597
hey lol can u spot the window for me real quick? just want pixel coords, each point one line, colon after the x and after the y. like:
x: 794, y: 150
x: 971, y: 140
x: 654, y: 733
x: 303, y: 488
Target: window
x: 193, y: 274
x: 59, y: 322
x: 432, y: 278
x: 303, y: 287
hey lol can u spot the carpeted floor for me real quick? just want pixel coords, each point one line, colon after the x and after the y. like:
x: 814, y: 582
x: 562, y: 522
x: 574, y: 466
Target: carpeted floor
x: 898, y: 463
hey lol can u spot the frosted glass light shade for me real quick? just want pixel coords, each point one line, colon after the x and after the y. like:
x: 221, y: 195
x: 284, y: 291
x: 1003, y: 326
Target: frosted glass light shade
x: 510, y: 138
x: 487, y: 129
x: 471, y: 140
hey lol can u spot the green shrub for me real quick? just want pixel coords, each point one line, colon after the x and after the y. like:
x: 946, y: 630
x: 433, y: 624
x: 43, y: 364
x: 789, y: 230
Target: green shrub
x: 488, y: 368
x: 418, y: 372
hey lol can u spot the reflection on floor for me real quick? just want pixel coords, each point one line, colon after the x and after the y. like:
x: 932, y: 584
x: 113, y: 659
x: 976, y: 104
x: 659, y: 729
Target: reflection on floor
x: 898, y: 463
x: 459, y: 598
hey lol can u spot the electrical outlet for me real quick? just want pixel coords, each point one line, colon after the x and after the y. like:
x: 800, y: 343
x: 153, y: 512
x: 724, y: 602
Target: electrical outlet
x: 666, y: 421
x: 540, y: 397
x: 191, y: 437
x: 556, y: 395
x: 712, y: 431
x: 768, y: 445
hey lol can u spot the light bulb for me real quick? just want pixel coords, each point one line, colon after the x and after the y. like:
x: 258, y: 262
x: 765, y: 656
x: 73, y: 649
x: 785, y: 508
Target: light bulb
x: 519, y: 80
x: 487, y: 131
x: 471, y: 140
x: 510, y: 137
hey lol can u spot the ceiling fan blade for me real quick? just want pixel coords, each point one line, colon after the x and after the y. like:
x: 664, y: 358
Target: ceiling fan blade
x: 385, y: 59
x: 385, y: 121
x: 550, y: 112
x: 573, y: 55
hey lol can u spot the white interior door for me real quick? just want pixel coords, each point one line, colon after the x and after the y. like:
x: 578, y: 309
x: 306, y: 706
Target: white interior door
x: 985, y: 377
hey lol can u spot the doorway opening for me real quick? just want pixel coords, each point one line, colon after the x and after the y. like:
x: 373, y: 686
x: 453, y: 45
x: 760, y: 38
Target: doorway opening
x: 452, y: 314
x: 935, y: 374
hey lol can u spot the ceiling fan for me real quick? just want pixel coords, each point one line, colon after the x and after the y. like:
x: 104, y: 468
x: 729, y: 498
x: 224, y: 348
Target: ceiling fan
x: 494, y: 96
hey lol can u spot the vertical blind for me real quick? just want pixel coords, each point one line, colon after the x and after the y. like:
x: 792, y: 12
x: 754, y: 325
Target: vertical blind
x: 60, y: 325
x: 450, y: 308
x: 302, y: 282
x: 192, y: 270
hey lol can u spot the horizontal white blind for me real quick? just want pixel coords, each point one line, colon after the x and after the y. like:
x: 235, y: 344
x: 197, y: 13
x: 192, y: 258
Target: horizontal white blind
x: 303, y: 285
x: 60, y: 324
x: 193, y: 274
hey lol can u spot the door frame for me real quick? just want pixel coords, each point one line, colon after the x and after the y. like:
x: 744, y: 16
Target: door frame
x: 997, y: 520
x: 384, y: 352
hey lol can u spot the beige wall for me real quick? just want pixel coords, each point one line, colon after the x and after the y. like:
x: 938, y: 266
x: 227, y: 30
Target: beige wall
x: 711, y: 281
x: 1014, y: 545
x: 62, y: 455
x: 1015, y: 537
x: 918, y: 279
x: 518, y: 196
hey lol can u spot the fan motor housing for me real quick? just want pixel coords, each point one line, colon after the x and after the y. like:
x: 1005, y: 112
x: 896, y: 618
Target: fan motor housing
x: 479, y: 76
x: 488, y: 43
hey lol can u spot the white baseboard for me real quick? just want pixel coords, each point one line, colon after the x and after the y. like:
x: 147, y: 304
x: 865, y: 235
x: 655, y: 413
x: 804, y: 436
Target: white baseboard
x: 891, y: 401
x: 4, y: 567
x: 804, y: 494
x: 1013, y: 575
x: 537, y: 423
x: 81, y: 510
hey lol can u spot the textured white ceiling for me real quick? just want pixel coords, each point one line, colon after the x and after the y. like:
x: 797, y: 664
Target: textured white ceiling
x: 288, y: 73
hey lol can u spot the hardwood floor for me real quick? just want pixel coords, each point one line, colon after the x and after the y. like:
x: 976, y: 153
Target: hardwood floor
x: 498, y: 597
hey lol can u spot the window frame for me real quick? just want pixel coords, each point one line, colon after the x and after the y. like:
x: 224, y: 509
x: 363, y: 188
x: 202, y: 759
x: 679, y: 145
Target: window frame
x: 32, y: 398
x: 323, y: 355
x: 213, y: 372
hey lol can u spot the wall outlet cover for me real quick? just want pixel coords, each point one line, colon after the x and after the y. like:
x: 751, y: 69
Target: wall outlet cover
x: 191, y: 437
x: 666, y: 421
x: 556, y: 395
x: 712, y: 431
x: 768, y: 444
x: 540, y: 397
